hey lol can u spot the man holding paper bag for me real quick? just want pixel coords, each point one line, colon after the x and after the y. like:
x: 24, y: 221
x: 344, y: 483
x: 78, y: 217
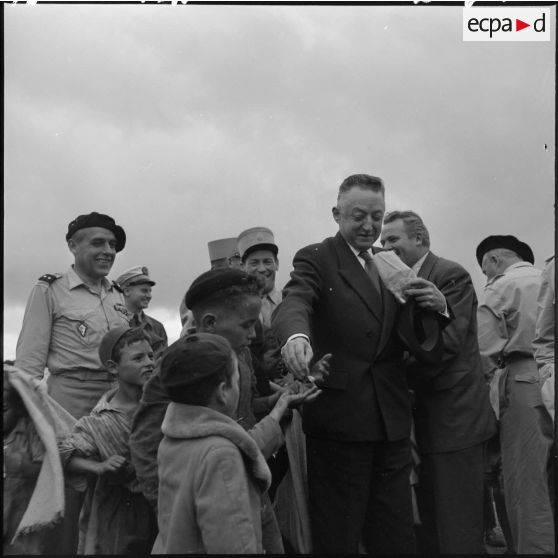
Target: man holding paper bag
x: 453, y: 417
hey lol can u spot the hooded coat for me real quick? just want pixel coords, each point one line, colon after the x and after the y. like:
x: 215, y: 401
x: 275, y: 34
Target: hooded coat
x: 211, y: 479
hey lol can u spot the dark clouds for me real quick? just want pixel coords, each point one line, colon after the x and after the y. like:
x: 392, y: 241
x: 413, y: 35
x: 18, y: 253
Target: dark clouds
x: 192, y: 123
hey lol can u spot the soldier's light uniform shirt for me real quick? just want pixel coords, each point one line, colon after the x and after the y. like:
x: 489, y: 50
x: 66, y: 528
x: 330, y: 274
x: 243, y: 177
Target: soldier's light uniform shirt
x: 506, y: 325
x: 64, y: 323
x: 543, y: 344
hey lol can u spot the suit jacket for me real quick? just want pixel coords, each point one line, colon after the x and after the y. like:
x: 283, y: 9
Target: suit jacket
x: 453, y: 410
x: 331, y: 299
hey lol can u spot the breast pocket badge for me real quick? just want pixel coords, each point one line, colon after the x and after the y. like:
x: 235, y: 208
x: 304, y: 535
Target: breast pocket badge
x: 82, y: 329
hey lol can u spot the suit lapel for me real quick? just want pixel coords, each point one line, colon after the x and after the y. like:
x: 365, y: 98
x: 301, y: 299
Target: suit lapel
x: 355, y: 275
x: 427, y: 266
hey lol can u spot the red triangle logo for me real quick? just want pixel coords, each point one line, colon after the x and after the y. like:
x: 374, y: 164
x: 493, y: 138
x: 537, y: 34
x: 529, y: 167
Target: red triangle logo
x: 519, y: 25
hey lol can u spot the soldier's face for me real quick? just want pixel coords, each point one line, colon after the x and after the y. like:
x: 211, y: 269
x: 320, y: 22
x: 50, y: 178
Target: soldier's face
x: 94, y: 250
x: 138, y: 296
x: 359, y: 214
x: 264, y: 265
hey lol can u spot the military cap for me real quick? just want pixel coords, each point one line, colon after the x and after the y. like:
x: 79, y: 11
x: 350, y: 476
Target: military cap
x: 505, y: 241
x: 214, y: 280
x: 109, y: 341
x: 98, y: 220
x: 137, y: 275
x: 256, y: 238
x: 223, y: 248
x: 192, y: 359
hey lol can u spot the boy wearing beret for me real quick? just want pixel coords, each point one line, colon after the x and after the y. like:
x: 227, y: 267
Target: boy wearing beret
x: 212, y: 471
x: 225, y: 302
x: 119, y: 520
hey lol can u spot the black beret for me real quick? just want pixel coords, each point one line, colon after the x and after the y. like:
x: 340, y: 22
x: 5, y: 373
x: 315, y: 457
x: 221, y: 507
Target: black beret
x: 214, y: 280
x: 505, y: 241
x: 194, y: 358
x: 98, y: 220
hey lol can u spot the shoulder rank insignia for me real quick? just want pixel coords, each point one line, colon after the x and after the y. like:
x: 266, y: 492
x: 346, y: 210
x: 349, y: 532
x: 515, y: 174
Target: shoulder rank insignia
x: 50, y: 277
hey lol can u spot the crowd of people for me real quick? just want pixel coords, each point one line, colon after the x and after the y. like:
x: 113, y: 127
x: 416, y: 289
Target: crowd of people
x: 371, y: 406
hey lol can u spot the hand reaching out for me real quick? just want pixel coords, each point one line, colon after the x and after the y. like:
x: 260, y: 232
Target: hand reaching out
x: 111, y: 465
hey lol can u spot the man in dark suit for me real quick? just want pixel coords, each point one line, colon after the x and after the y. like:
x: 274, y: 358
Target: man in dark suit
x: 357, y: 432
x: 453, y: 417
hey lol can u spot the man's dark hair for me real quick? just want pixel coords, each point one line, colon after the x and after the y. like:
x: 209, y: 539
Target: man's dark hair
x: 134, y: 335
x: 413, y: 224
x: 365, y: 181
x: 229, y: 298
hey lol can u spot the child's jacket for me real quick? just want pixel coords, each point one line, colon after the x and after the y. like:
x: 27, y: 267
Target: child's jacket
x: 211, y: 478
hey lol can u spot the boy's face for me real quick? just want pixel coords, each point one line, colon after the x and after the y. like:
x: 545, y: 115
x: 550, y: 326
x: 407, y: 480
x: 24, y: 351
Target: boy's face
x: 236, y: 325
x: 136, y: 363
x: 232, y: 391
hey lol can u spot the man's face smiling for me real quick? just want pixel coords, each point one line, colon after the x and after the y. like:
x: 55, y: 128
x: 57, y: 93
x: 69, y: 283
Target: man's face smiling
x: 359, y: 214
x: 264, y: 265
x: 94, y: 249
x: 394, y: 237
x: 138, y: 296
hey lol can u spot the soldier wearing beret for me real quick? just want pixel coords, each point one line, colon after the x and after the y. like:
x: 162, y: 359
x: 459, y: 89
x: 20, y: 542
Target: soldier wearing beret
x: 135, y: 284
x: 68, y: 313
x: 506, y: 333
x: 66, y: 316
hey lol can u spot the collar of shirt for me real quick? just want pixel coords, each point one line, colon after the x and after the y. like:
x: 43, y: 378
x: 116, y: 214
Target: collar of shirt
x: 274, y: 296
x: 419, y: 262
x: 105, y: 403
x: 74, y: 280
x: 357, y: 252
x: 511, y: 268
x: 517, y: 265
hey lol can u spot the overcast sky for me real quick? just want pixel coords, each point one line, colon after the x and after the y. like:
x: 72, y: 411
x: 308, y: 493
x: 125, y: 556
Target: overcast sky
x: 192, y: 123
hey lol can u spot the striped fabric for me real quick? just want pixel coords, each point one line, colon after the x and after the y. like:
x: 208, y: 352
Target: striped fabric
x: 103, y: 433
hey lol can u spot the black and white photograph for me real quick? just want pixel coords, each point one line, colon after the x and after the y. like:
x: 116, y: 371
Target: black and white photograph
x: 279, y: 278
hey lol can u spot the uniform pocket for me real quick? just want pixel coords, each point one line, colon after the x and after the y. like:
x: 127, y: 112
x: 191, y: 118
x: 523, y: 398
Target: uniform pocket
x: 86, y: 327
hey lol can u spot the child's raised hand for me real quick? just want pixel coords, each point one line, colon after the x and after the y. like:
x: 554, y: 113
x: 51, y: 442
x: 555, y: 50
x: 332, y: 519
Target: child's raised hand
x: 293, y: 397
x: 320, y: 370
x: 111, y: 465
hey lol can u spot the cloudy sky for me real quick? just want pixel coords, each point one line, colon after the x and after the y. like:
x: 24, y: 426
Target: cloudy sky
x: 192, y: 123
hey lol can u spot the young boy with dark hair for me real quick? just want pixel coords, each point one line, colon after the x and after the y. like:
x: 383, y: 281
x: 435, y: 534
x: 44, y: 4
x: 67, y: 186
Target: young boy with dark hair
x: 212, y: 474
x: 119, y: 519
x: 225, y: 302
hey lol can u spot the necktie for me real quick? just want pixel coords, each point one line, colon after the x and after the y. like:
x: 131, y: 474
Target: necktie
x: 135, y: 322
x: 371, y: 270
